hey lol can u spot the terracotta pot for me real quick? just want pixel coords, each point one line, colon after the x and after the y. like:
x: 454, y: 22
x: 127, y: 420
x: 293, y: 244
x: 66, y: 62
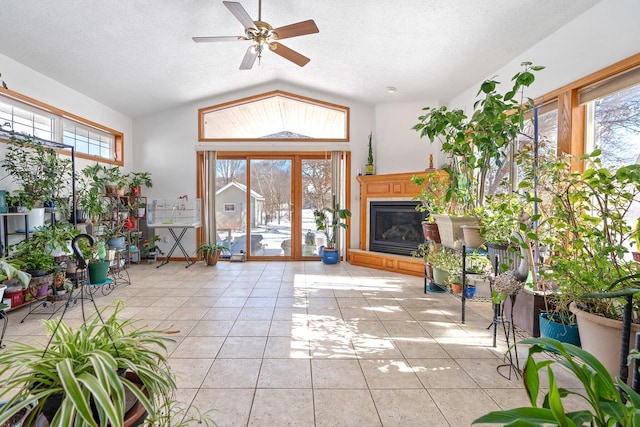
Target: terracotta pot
x: 456, y: 288
x: 430, y: 231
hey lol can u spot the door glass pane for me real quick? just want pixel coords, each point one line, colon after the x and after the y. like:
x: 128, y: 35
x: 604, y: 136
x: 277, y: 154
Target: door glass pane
x: 231, y: 176
x: 271, y: 208
x: 316, y: 194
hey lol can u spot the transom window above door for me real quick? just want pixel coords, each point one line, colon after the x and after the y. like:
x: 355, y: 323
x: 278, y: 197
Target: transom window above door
x: 274, y: 116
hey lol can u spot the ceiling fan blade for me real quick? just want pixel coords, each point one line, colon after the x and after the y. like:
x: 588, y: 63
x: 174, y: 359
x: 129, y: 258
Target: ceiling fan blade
x: 294, y: 30
x: 249, y: 58
x: 289, y: 54
x: 218, y: 39
x: 240, y: 14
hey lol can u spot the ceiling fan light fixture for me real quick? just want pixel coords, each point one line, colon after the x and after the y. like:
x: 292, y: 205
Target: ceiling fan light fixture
x: 262, y: 34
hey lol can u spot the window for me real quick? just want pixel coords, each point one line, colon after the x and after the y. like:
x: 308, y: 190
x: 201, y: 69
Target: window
x: 499, y: 178
x: 23, y: 115
x: 613, y: 125
x: 88, y: 140
x: 23, y: 119
x: 229, y: 207
x: 274, y: 116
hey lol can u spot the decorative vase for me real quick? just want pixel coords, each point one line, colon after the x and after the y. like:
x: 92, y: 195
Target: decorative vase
x: 368, y: 169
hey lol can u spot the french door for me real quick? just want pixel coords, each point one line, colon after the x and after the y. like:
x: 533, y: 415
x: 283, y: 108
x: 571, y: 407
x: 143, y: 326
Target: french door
x: 265, y: 203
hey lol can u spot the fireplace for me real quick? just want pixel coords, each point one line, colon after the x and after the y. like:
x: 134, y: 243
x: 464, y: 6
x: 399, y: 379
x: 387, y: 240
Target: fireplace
x: 394, y: 227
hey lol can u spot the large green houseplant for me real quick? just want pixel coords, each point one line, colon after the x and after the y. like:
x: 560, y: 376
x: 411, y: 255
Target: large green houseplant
x: 88, y: 375
x: 592, y: 251
x: 475, y: 143
x: 41, y: 173
x: 329, y: 221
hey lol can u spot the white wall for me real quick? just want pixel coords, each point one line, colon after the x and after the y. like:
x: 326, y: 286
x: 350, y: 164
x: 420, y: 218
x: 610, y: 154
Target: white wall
x: 165, y: 146
x: 603, y: 35
x: 31, y: 83
x: 398, y: 148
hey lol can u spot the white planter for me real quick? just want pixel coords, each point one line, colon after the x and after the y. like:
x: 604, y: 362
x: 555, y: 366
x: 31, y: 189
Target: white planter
x: 471, y: 235
x: 450, y: 228
x: 2, y: 288
x: 602, y: 337
x: 35, y: 217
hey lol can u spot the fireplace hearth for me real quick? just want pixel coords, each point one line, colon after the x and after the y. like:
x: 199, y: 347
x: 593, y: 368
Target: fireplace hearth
x: 394, y: 227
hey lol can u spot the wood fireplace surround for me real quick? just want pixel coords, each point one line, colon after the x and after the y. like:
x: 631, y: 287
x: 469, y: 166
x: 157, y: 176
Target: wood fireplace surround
x: 384, y: 188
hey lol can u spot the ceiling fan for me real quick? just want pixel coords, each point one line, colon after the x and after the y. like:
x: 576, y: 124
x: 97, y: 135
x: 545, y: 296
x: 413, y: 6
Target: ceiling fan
x: 264, y: 35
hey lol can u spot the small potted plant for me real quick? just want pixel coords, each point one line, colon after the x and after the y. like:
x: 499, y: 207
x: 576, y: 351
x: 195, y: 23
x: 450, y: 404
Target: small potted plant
x: 369, y: 166
x: 210, y: 252
x: 433, y: 186
x: 136, y: 180
x: 329, y: 221
x: 150, y: 249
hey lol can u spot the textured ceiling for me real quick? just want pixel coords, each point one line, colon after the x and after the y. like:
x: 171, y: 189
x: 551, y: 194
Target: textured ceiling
x: 137, y: 56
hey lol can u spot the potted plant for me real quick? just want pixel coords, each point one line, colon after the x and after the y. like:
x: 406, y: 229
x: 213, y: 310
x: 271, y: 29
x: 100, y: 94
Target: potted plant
x: 445, y: 263
x: 88, y: 375
x: 136, y: 180
x: 369, y: 166
x: 591, y: 213
x: 329, y: 221
x: 210, y: 252
x: 115, y: 181
x: 500, y: 218
x: 150, y: 249
x: 473, y: 144
x: 433, y: 186
x: 90, y: 192
x: 37, y: 169
x: 607, y: 402
x: 423, y: 251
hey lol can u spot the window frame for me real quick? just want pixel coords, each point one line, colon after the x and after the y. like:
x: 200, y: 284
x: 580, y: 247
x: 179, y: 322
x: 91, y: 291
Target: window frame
x: 59, y: 117
x: 202, y: 112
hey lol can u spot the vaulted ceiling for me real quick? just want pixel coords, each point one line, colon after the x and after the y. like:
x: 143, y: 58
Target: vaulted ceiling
x: 137, y: 56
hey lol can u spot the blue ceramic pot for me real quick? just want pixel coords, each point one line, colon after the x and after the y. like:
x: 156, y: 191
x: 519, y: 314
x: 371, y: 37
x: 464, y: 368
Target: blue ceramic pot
x: 564, y: 332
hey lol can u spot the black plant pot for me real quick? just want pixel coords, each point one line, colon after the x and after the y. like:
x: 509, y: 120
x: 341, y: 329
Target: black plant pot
x: 77, y: 216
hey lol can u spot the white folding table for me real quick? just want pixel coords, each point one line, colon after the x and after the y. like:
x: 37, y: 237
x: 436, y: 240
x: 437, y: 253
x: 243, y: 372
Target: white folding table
x: 177, y: 231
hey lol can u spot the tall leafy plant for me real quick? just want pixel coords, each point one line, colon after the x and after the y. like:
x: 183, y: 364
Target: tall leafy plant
x: 593, y: 215
x: 474, y: 143
x: 329, y: 221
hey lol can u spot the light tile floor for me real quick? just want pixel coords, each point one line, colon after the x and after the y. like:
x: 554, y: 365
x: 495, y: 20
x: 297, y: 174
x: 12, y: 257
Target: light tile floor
x: 308, y: 344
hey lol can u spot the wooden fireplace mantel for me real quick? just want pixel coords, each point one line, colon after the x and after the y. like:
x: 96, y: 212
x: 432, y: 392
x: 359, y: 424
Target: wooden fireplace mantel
x: 385, y: 187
